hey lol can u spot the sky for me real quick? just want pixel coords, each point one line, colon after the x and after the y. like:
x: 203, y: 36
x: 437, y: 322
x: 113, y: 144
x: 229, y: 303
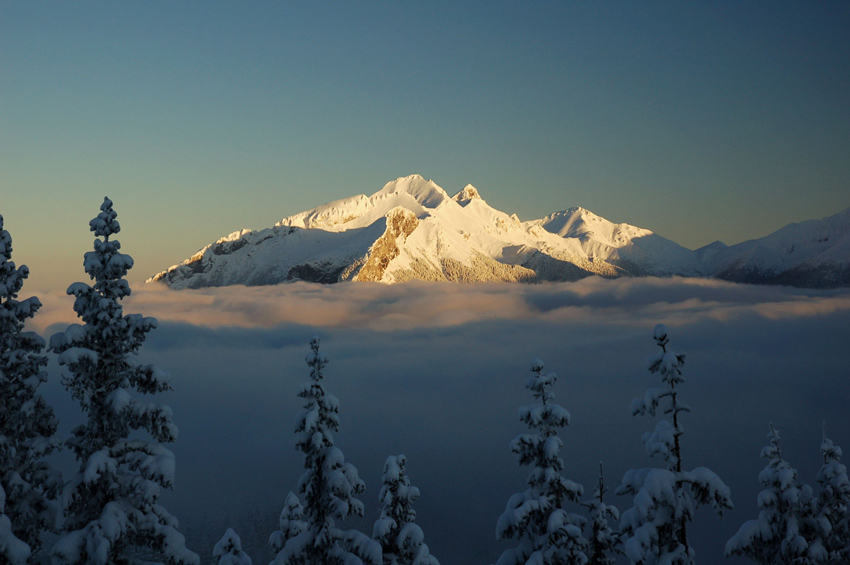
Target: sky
x: 699, y: 121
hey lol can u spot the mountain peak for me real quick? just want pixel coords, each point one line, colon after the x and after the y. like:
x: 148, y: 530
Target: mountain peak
x: 468, y: 193
x: 714, y: 245
x: 425, y: 192
x: 579, y: 211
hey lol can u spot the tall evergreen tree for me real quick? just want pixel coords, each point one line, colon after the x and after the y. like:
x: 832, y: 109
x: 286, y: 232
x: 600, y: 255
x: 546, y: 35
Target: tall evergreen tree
x: 832, y: 511
x: 603, y: 542
x: 782, y: 533
x: 309, y: 534
x: 27, y: 424
x: 546, y: 532
x: 111, y: 505
x: 402, y: 541
x: 665, y: 499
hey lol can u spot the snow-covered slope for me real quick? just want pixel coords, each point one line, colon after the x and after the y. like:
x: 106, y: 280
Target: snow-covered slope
x: 412, y: 229
x: 814, y: 253
x: 636, y: 250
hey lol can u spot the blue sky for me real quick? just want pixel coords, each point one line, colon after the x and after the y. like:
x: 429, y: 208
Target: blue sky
x: 700, y: 121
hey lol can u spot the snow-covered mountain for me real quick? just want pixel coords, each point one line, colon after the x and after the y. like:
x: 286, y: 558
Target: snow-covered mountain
x: 812, y: 254
x: 412, y: 229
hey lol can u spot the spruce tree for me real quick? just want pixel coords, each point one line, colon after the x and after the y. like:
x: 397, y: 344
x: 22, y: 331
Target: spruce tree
x: 546, y: 532
x: 27, y: 424
x: 402, y: 541
x: 832, y: 512
x: 777, y: 535
x: 228, y: 551
x: 111, y: 505
x: 291, y: 523
x: 328, y: 487
x: 603, y: 542
x: 665, y: 499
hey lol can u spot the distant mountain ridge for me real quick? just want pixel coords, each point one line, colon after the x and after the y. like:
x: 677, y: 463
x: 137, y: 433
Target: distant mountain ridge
x: 810, y: 254
x: 412, y: 229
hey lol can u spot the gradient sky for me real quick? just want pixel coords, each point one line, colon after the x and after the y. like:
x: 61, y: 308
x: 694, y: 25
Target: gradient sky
x: 699, y: 121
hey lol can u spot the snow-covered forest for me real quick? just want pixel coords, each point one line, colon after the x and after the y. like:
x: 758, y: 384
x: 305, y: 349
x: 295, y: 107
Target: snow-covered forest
x: 420, y: 445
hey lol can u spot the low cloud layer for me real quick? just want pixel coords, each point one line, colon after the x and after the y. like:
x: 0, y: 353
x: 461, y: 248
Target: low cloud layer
x: 414, y: 305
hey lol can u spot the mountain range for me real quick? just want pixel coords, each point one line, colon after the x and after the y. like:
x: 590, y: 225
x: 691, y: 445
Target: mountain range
x: 412, y: 229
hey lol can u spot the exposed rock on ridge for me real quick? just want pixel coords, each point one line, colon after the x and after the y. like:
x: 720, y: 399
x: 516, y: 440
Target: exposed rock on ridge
x: 400, y: 224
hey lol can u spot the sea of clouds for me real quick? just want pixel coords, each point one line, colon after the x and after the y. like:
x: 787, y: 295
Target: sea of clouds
x: 437, y: 371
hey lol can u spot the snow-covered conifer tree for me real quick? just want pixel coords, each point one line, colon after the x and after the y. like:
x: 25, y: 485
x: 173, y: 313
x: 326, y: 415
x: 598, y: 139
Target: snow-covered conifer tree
x: 111, y: 506
x: 309, y: 533
x: 832, y: 511
x: 655, y: 528
x: 228, y: 551
x: 401, y: 540
x: 546, y: 532
x: 291, y: 523
x: 27, y: 423
x: 786, y: 530
x: 603, y: 543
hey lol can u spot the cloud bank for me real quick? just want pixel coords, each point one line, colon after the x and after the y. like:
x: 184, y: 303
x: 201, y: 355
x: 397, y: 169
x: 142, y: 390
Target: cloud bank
x: 414, y: 305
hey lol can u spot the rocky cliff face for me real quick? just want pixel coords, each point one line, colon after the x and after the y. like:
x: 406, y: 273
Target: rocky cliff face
x: 412, y: 229
x: 400, y: 224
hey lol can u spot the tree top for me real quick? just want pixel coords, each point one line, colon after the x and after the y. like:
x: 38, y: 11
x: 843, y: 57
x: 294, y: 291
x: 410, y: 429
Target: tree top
x: 105, y: 223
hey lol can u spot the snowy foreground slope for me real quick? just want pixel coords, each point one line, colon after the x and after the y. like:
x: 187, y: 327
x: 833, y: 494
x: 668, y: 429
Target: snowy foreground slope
x: 412, y: 229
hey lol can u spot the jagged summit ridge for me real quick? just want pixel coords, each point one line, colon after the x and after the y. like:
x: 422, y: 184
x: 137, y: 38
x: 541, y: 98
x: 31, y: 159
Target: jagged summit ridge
x: 468, y: 193
x: 412, y: 192
x: 412, y: 229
